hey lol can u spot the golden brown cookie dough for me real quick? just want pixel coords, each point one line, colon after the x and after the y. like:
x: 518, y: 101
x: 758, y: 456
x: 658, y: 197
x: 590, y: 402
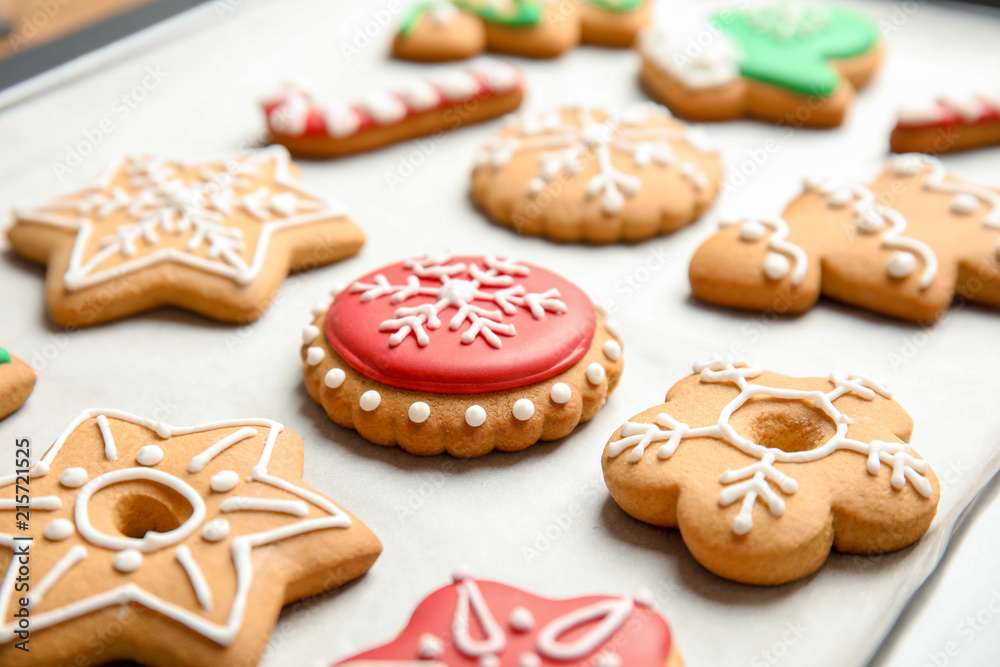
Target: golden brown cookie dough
x: 948, y: 123
x: 16, y: 382
x: 763, y: 473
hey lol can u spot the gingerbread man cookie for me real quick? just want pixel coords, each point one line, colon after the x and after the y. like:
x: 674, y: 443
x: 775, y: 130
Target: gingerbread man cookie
x: 435, y: 30
x: 515, y: 627
x: 949, y: 122
x: 763, y: 474
x: 187, y: 541
x: 461, y: 355
x: 596, y: 175
x: 798, y: 64
x: 16, y: 382
x: 216, y: 237
x: 312, y: 127
x: 904, y: 246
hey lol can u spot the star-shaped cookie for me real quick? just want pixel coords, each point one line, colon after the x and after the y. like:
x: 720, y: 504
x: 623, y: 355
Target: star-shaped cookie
x: 216, y: 237
x: 176, y: 546
x: 903, y: 245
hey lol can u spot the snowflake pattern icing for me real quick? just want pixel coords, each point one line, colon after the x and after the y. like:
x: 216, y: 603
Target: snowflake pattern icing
x: 752, y: 482
x: 626, y: 130
x: 460, y: 294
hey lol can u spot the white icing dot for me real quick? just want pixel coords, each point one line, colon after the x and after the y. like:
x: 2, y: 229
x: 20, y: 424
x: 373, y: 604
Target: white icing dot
x: 58, y: 529
x: 337, y: 289
x: 419, y: 412
x: 523, y: 409
x: 314, y: 355
x: 128, y: 560
x: 529, y: 660
x: 521, y: 620
x: 320, y: 307
x: 901, y: 264
x: 309, y: 334
x: 613, y: 328
x: 561, y: 392
x: 612, y: 350
x: 370, y: 400
x: 149, y: 455
x: 73, y: 477
x: 334, y: 378
x: 475, y: 416
x: 225, y: 480
x: 751, y: 231
x: 644, y: 597
x: 964, y: 203
x: 870, y: 220
x: 430, y: 647
x: 215, y: 530
x: 608, y: 660
x: 776, y: 266
x: 595, y: 373
x: 489, y: 661
x: 840, y: 197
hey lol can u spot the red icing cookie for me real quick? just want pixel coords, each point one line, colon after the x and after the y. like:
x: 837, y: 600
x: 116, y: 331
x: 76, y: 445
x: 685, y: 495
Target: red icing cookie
x: 487, y: 624
x: 466, y: 325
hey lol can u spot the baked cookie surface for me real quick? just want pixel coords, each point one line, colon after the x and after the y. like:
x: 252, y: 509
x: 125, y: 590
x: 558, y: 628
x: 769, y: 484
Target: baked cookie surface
x: 763, y: 473
x: 16, y: 383
x: 596, y: 175
x: 187, y: 541
x: 903, y: 245
x: 519, y: 628
x: 949, y: 122
x: 461, y: 355
x: 216, y: 237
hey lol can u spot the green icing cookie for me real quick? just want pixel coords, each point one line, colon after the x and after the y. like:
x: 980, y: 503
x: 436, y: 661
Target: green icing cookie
x: 790, y: 45
x: 514, y: 13
x: 617, y: 5
x: 4, y: 356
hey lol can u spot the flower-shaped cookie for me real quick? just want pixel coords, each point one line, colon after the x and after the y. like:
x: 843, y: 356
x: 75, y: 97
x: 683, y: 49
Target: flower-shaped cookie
x: 903, y: 246
x: 764, y: 473
x: 474, y: 623
x: 216, y: 237
x: 596, y: 175
x: 16, y: 382
x: 187, y: 540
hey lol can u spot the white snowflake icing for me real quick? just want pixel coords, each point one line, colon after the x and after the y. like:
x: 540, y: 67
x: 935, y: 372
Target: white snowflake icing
x: 498, y: 275
x: 754, y: 481
x: 164, y: 202
x: 627, y: 130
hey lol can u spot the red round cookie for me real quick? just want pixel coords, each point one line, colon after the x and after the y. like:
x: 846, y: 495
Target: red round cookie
x: 460, y: 325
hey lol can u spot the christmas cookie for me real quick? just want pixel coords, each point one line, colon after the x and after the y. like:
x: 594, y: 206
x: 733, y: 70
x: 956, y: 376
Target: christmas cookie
x: 216, y: 237
x: 173, y: 546
x: 461, y: 355
x: 764, y: 473
x: 16, y: 382
x: 435, y: 30
x: 478, y: 623
x: 798, y: 64
x: 596, y: 175
x: 313, y: 127
x: 949, y: 122
x: 903, y: 245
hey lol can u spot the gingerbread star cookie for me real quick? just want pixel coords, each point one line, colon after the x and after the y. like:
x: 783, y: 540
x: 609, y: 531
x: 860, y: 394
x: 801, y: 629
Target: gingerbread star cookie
x: 476, y: 623
x: 436, y: 30
x: 596, y: 175
x: 903, y: 245
x: 952, y: 121
x: 216, y: 237
x: 763, y: 473
x: 796, y: 64
x: 311, y: 126
x: 16, y: 382
x: 461, y: 355
x: 174, y: 546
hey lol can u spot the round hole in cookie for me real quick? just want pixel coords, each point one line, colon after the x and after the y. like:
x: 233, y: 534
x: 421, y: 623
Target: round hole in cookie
x: 134, y: 508
x: 791, y: 426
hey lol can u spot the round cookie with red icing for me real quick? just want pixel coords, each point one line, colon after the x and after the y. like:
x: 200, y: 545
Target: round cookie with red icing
x: 515, y: 627
x: 461, y: 355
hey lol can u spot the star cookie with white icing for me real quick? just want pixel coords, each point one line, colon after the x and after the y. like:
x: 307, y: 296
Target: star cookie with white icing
x: 476, y: 623
x: 903, y: 245
x: 596, y: 175
x: 763, y: 473
x: 173, y: 545
x: 215, y: 236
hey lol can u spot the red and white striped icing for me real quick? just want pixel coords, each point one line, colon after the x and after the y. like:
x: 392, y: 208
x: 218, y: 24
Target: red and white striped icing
x: 299, y: 112
x: 951, y: 109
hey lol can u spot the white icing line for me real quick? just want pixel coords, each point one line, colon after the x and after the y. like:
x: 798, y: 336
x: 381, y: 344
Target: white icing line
x: 249, y: 504
x: 110, y: 452
x: 202, y: 591
x: 199, y: 461
x: 612, y: 615
x: 58, y: 571
x: 470, y: 597
x: 779, y: 243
